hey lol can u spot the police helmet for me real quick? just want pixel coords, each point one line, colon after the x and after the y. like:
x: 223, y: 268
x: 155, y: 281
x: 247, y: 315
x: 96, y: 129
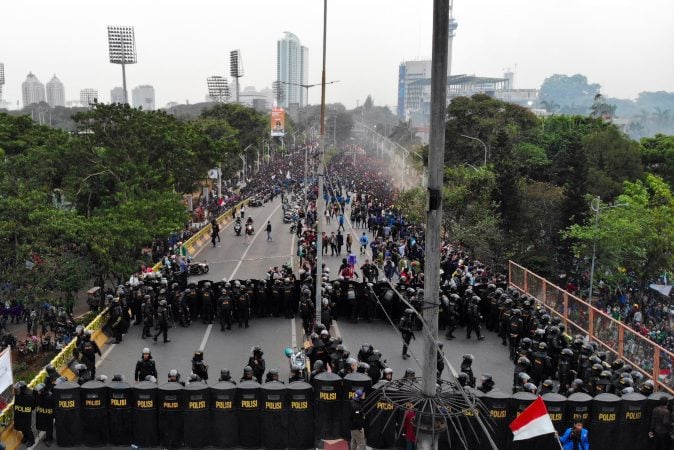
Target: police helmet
x: 526, y: 342
x: 247, y: 370
x: 388, y: 370
x: 487, y: 377
x: 523, y: 361
x: 605, y: 374
x: 173, y: 373
x: 118, y: 377
x: 410, y: 373
x: 577, y: 382
x: 146, y: 350
x: 542, y: 346
x: 523, y: 377
x: 151, y: 379
x: 617, y: 364
x: 318, y: 365
x: 409, y: 311
x: 567, y: 352
x: 39, y: 388
x: 530, y: 387
x: 102, y: 378
x: 468, y: 357
x: 627, y: 390
x: 163, y: 303
x: 194, y: 378
x: 597, y: 368
x: 198, y: 355
x: 548, y: 383
x: 224, y: 374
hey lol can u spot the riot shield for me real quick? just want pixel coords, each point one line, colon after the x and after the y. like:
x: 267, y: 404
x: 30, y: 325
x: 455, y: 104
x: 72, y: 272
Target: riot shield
x: 67, y: 414
x: 634, y: 423
x: 197, y: 415
x: 94, y: 397
x: 350, y: 384
x: 496, y: 403
x: 171, y: 403
x: 119, y: 413
x: 604, y: 425
x: 274, y: 415
x: 224, y: 422
x: 380, y: 417
x: 145, y: 432
x: 557, y: 410
x: 248, y: 403
x: 578, y: 409
x: 300, y: 416
x: 328, y: 405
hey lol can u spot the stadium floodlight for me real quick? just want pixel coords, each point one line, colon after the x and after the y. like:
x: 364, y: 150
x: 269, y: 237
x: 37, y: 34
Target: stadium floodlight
x: 218, y: 88
x: 236, y: 68
x: 122, y: 47
x: 279, y: 92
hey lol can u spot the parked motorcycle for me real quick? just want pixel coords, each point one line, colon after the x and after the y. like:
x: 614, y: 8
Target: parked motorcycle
x: 198, y: 268
x: 297, y: 358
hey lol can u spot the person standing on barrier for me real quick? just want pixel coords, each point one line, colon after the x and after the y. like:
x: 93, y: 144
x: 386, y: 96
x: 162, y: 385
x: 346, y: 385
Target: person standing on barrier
x: 661, y: 426
x: 44, y: 412
x: 575, y: 438
x: 357, y: 422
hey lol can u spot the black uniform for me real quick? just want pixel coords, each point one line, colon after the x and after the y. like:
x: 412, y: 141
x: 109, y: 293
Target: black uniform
x: 473, y: 324
x: 259, y: 366
x: 44, y: 413
x: 200, y: 369
x: 148, y: 319
x: 24, y: 403
x: 162, y: 316
x: 242, y: 309
x: 405, y: 328
x: 116, y: 321
x: 225, y: 311
x: 145, y: 367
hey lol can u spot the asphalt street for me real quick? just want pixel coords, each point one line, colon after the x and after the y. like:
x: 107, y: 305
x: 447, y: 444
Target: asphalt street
x: 236, y: 258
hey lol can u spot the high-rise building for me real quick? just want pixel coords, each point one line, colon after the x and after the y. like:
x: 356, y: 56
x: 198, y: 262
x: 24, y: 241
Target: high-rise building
x: 56, y: 94
x: 408, y: 73
x: 143, y: 97
x: 2, y: 78
x: 32, y: 90
x: 88, y: 96
x: 117, y: 95
x: 292, y: 67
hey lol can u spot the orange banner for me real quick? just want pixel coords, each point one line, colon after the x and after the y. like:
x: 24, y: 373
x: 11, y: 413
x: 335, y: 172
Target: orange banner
x: 278, y: 119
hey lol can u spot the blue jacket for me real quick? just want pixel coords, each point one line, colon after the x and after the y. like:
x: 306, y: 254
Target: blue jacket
x: 567, y: 442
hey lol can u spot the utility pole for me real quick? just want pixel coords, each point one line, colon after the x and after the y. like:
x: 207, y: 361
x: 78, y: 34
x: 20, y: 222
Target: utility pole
x: 436, y: 162
x: 320, y: 207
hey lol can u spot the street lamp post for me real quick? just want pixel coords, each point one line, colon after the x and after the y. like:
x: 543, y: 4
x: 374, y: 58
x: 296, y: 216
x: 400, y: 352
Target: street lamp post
x: 597, y: 210
x: 486, y: 150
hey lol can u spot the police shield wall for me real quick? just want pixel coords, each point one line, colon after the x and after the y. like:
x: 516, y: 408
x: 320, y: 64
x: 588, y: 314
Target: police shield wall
x: 557, y: 410
x: 197, y: 416
x: 327, y: 405
x: 119, y: 413
x: 145, y: 432
x: 632, y: 420
x: 350, y: 384
x: 300, y: 416
x: 604, y: 426
x: 171, y: 403
x: 67, y: 414
x: 496, y: 403
x: 274, y: 415
x: 248, y: 403
x: 578, y: 409
x: 94, y: 413
x: 224, y: 423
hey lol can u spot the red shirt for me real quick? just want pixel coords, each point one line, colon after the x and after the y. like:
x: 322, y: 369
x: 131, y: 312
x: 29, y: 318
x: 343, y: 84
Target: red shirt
x: 410, y: 428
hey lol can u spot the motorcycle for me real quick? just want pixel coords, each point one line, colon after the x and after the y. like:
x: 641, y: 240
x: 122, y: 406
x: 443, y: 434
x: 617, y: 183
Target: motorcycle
x: 198, y: 268
x: 297, y: 358
x: 237, y: 228
x: 250, y: 230
x: 293, y: 228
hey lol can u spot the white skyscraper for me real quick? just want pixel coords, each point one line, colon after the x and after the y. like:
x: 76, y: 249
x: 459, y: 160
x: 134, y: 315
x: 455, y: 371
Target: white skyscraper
x: 32, y: 90
x: 292, y: 67
x: 2, y: 78
x: 88, y: 96
x: 143, y: 97
x: 117, y: 95
x: 56, y: 95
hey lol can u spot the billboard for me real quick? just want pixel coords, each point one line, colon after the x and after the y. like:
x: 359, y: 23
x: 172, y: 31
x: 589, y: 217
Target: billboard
x: 278, y: 119
x: 6, y: 377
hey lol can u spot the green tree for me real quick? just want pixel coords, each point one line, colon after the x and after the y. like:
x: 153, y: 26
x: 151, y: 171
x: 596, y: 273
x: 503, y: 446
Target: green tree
x: 638, y: 236
x: 573, y: 93
x: 658, y: 156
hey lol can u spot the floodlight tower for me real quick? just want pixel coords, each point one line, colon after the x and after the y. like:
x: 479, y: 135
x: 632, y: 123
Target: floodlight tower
x: 2, y: 78
x: 453, y: 25
x: 122, y: 46
x: 218, y: 88
x: 236, y: 69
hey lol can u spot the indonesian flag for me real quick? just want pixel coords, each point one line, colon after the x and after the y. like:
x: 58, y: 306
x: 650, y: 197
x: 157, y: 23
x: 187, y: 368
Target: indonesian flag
x: 534, y: 421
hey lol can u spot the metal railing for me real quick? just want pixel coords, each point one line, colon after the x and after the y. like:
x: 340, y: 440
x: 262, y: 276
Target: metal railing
x: 613, y: 336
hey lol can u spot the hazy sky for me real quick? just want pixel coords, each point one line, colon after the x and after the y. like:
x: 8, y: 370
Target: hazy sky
x: 626, y: 46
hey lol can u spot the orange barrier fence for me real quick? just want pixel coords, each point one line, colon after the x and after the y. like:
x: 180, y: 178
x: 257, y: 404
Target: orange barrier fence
x: 613, y: 336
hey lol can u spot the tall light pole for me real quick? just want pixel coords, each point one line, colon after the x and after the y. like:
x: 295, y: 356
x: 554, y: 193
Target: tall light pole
x: 597, y: 208
x: 320, y: 207
x: 122, y: 49
x: 236, y: 69
x: 486, y: 149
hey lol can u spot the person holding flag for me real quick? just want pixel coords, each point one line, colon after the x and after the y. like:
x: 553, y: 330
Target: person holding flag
x: 575, y: 438
x: 534, y: 422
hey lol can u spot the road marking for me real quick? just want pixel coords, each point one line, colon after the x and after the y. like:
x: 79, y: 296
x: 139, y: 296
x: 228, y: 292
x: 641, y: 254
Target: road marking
x: 236, y: 269
x: 105, y: 354
x: 202, y: 346
x: 293, y: 334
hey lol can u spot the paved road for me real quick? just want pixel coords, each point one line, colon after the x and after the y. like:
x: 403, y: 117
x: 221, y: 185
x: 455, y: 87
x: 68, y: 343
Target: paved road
x: 235, y: 258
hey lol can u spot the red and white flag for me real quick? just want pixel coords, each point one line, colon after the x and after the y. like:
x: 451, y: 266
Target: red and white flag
x: 534, y: 421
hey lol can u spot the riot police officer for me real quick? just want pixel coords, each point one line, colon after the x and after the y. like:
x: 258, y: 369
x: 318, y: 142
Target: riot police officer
x: 523, y: 366
x: 162, y: 316
x: 295, y: 374
x: 440, y: 361
x: 272, y: 375
x: 452, y: 316
x: 486, y: 383
x: 117, y: 320
x: 87, y: 352
x: 207, y: 303
x: 473, y: 318
x: 564, y: 368
x: 225, y: 309
x: 174, y: 377
x: 242, y: 309
x: 247, y: 374
x: 148, y: 318
x: 306, y: 310
x: 515, y: 327
x: 199, y: 368
x: 466, y: 367
x: 547, y: 387
x: 226, y: 376
x: 44, y: 412
x: 541, y: 365
x: 145, y: 366
x: 82, y: 373
x: 24, y: 403
x: 405, y: 328
x: 256, y: 361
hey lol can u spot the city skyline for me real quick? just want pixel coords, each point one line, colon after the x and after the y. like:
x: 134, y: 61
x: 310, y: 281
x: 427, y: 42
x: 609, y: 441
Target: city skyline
x: 606, y: 41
